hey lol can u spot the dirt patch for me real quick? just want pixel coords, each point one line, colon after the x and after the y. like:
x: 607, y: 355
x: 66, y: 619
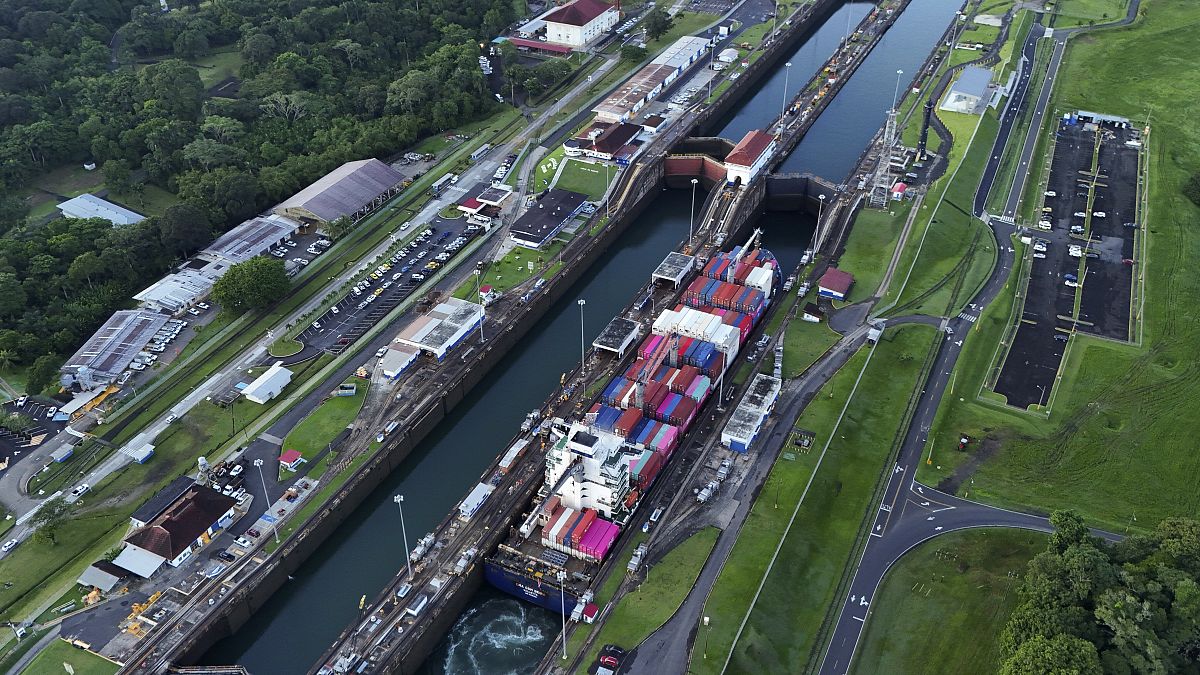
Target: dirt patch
x: 986, y: 449
x: 230, y: 87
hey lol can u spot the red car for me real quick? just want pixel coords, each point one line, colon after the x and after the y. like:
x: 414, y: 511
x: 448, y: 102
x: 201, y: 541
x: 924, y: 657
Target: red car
x: 609, y: 661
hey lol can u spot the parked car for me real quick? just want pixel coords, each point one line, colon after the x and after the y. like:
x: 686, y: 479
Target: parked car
x: 244, y: 542
x: 9, y: 545
x: 81, y: 490
x: 193, y: 312
x: 224, y: 554
x: 1061, y: 337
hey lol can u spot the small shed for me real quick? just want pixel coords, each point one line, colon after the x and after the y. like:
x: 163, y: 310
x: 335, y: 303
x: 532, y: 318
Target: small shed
x: 898, y: 191
x: 812, y: 313
x: 728, y: 55
x: 835, y: 284
x: 291, y: 459
x: 269, y: 384
x: 471, y: 504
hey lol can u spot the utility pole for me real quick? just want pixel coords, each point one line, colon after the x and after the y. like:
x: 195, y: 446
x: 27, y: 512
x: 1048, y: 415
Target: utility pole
x: 692, y: 218
x: 582, y: 350
x: 399, y: 499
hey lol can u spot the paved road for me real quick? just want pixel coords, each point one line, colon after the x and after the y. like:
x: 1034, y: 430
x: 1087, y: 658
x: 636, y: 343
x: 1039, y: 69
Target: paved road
x: 911, y: 513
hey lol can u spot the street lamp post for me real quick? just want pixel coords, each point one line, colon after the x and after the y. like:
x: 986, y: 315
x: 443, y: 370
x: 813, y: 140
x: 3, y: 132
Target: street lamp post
x: 258, y: 464
x: 820, y: 214
x: 582, y: 350
x: 692, y: 218
x: 896, y: 94
x: 562, y: 597
x: 478, y: 288
x: 707, y: 630
x: 399, y: 499
x: 607, y: 192
x: 787, y: 72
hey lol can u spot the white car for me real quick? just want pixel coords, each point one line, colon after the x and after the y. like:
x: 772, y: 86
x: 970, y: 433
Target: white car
x: 1051, y: 193
x: 9, y: 545
x: 193, y: 312
x: 137, y: 366
x: 50, y: 412
x: 1099, y: 214
x: 244, y: 542
x: 236, y: 471
x: 172, y: 417
x: 81, y: 490
x: 334, y: 309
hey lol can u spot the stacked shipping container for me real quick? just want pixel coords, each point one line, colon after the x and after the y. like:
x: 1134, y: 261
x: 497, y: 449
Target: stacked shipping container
x: 582, y: 534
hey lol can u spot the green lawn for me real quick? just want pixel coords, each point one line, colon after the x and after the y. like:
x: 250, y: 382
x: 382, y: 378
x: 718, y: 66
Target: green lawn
x: 584, y: 177
x: 1086, y: 12
x: 942, y: 607
x: 803, y: 344
x: 218, y: 65
x: 322, y: 425
x: 869, y: 247
x: 1122, y: 417
x: 781, y: 633
x: 58, y: 655
x: 150, y: 200
x: 641, y: 611
x: 955, y: 249
x: 686, y: 23
x: 285, y: 347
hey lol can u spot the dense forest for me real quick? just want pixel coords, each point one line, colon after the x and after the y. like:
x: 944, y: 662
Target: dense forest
x: 106, y: 81
x: 1087, y: 607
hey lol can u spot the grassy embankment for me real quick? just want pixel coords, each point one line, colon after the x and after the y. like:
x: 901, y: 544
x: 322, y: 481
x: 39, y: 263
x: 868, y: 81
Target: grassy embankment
x: 322, y: 425
x: 941, y: 598
x: 60, y: 657
x: 1069, y: 13
x: 641, y: 611
x: 869, y: 248
x: 781, y: 631
x: 1121, y: 417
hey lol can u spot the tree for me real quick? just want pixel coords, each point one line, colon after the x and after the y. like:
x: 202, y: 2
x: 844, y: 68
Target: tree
x: 184, y: 228
x: 657, y: 23
x: 117, y: 175
x: 633, y: 53
x: 338, y: 228
x: 1059, y: 655
x: 191, y: 43
x: 7, y: 359
x: 258, y: 49
x: 210, y: 154
x: 48, y: 519
x: 254, y: 284
x: 42, y: 373
x: 172, y: 88
x: 12, y: 295
x: 223, y: 129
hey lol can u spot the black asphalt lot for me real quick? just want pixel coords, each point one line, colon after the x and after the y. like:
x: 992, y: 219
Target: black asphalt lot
x: 1105, y: 301
x: 339, y: 330
x: 15, y: 447
x: 1028, y: 374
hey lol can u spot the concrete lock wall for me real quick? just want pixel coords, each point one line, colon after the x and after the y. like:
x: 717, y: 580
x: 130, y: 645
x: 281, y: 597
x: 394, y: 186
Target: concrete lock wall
x: 256, y: 590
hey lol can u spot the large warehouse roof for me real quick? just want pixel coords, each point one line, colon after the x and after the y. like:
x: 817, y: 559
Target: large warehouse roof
x: 547, y: 217
x: 344, y: 191
x: 443, y: 327
x: 251, y: 238
x: 180, y: 289
x: 682, y: 52
x: 113, y: 346
x: 91, y: 206
x: 630, y: 96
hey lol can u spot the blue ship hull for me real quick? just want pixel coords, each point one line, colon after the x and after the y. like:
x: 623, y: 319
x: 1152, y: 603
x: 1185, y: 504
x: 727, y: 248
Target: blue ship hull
x: 547, y: 595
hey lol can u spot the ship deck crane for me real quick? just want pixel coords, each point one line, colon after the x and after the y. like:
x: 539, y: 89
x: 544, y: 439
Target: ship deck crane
x: 750, y: 243
x: 668, y: 346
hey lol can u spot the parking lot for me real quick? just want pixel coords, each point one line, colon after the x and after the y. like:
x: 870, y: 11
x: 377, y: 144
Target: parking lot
x: 391, y: 281
x: 41, y: 412
x: 1083, y: 247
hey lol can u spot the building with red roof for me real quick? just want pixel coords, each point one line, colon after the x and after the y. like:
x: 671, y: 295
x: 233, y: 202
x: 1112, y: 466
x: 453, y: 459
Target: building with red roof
x: 470, y: 205
x: 579, y: 22
x: 835, y: 284
x: 749, y: 156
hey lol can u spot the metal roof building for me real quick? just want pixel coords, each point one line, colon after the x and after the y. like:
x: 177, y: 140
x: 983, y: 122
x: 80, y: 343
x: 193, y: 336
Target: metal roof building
x: 354, y: 189
x: 251, y: 238
x: 179, y: 290
x: 545, y: 219
x: 269, y: 384
x: 747, y: 419
x: 110, y: 349
x: 969, y: 91
x: 618, y: 335
x: 446, y: 325
x: 91, y: 206
x: 629, y: 98
x: 674, y: 268
x: 682, y: 53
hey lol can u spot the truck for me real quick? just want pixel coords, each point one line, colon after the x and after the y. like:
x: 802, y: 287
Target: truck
x: 481, y: 152
x: 442, y: 183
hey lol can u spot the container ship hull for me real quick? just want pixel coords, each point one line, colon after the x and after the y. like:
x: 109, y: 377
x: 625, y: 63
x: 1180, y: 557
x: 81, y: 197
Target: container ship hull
x: 600, y: 466
x: 524, y: 586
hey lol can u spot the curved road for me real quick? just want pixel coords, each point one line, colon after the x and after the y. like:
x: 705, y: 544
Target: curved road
x: 910, y: 512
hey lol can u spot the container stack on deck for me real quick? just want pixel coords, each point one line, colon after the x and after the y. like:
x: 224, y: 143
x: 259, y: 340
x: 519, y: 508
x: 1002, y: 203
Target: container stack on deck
x: 579, y: 533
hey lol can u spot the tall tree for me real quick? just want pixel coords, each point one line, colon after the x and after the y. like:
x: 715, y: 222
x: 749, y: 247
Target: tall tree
x: 184, y: 228
x: 254, y: 284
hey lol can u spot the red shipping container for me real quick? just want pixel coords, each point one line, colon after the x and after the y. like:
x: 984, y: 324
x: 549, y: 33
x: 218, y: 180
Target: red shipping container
x: 650, y: 470
x: 654, y: 395
x: 685, y: 411
x: 589, y: 516
x: 627, y: 421
x: 551, y: 505
x: 631, y: 499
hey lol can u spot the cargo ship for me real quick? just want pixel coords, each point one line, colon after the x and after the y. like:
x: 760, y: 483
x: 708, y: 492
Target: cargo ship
x: 600, y: 465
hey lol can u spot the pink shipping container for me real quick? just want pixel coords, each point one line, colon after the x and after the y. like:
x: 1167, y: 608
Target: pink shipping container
x: 649, y: 345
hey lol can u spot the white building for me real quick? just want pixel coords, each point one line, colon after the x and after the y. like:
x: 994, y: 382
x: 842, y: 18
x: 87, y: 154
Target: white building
x: 269, y: 384
x: 91, y: 206
x: 968, y: 94
x: 749, y: 156
x: 596, y: 470
x: 579, y: 22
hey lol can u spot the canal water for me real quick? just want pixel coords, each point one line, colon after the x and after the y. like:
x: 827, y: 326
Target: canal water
x: 498, y: 634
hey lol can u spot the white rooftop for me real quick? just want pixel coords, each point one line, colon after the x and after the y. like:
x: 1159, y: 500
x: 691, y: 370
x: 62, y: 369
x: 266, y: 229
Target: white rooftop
x: 91, y: 206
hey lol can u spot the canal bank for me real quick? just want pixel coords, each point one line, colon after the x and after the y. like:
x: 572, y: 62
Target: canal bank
x: 366, y: 549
